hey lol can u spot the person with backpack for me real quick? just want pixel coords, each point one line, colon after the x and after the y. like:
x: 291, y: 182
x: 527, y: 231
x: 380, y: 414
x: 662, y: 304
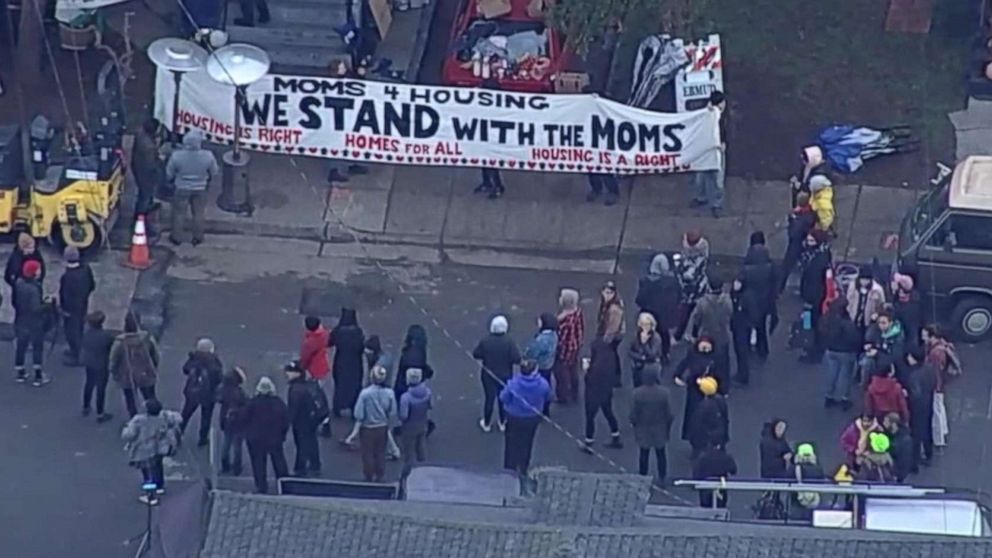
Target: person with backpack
x: 307, y: 406
x: 266, y: 425
x: 148, y: 438
x: 203, y: 371
x: 314, y: 357
x: 134, y: 361
x: 96, y: 361
x: 941, y: 354
x: 233, y: 401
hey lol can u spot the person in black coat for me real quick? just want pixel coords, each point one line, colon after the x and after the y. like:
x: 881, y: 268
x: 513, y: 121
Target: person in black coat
x: 714, y: 463
x: 921, y: 386
x: 802, y: 220
x: 304, y: 419
x: 900, y: 447
x: 760, y: 281
x: 203, y: 371
x: 498, y: 355
x: 600, y: 381
x: 96, y: 361
x: 348, y: 341
x: 29, y: 322
x: 266, y: 425
x: 75, y: 287
x: 740, y: 332
x: 233, y: 402
x: 815, y: 261
x: 659, y: 294
x: 710, y: 420
x: 25, y: 250
x: 775, y: 453
x: 697, y: 363
x: 412, y: 355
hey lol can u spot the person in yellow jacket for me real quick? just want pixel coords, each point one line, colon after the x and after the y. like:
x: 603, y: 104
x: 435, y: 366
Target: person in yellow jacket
x: 822, y: 201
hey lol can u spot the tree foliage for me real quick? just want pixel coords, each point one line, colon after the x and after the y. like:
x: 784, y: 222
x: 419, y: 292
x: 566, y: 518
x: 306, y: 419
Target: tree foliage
x: 585, y: 22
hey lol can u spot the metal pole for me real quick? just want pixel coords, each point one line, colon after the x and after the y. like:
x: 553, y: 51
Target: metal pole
x: 237, y: 123
x: 178, y: 78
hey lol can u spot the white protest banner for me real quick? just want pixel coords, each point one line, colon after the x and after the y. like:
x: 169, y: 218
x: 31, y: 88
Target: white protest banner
x: 450, y: 126
x: 67, y: 10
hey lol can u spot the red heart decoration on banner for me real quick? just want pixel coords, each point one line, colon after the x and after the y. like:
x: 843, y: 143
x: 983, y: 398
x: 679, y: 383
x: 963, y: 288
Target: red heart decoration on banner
x: 418, y: 158
x: 686, y: 166
x: 474, y: 161
x: 570, y: 166
x: 512, y: 164
x: 356, y: 154
x: 377, y: 156
x: 334, y: 152
x: 400, y: 158
x: 531, y: 164
x: 437, y: 159
x: 312, y: 149
x: 492, y: 162
x: 265, y: 147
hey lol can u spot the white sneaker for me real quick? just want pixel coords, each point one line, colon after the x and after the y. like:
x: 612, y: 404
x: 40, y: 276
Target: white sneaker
x: 160, y: 491
x: 484, y: 426
x: 148, y: 500
x: 502, y: 425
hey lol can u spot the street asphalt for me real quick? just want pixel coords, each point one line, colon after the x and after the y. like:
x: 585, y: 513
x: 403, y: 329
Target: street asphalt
x: 69, y: 486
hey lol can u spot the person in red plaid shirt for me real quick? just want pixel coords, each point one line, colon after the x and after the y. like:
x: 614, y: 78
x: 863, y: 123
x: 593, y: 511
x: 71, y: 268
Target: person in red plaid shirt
x: 571, y: 332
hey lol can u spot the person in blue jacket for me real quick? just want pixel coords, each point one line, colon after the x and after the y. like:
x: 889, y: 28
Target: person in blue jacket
x: 543, y: 347
x: 523, y: 399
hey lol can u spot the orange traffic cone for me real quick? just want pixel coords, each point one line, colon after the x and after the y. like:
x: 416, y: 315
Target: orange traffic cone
x: 139, y: 256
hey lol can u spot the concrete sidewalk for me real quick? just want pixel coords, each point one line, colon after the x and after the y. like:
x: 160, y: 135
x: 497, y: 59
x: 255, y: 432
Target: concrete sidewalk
x: 541, y: 212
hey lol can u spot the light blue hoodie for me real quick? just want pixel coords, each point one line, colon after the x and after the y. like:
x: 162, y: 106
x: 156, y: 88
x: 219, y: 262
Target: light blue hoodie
x: 542, y: 349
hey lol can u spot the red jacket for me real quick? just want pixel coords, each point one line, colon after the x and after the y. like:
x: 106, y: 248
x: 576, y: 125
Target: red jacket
x: 313, y: 353
x: 885, y: 396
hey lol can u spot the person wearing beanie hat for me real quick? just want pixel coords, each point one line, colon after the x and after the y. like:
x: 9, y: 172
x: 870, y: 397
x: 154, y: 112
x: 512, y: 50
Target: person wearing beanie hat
x: 815, y: 260
x: 806, y: 469
x: 876, y: 464
x: 690, y: 266
x: 659, y: 294
x: 266, y: 423
x: 29, y: 322
x: 75, y: 287
x: 203, y: 371
x: 414, y: 415
x: 376, y: 413
x: 523, y: 397
x: 710, y: 422
x: 233, y: 400
x: 308, y: 408
x: 822, y: 201
x: 907, y: 308
x: 190, y: 171
x: 25, y: 250
x: 96, y: 361
x: 865, y: 298
x: 498, y: 354
x: 802, y: 219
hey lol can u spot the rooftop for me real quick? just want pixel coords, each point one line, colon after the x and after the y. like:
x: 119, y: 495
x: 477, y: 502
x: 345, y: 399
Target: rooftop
x: 971, y: 184
x: 578, y: 516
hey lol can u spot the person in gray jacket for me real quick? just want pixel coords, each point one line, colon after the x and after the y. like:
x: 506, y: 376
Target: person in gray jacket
x: 148, y: 437
x: 651, y: 416
x: 190, y: 171
x: 375, y: 413
x: 415, y: 407
x: 711, y: 318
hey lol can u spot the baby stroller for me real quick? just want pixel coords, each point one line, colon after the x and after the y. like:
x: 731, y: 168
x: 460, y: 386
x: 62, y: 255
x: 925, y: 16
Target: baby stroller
x: 846, y: 146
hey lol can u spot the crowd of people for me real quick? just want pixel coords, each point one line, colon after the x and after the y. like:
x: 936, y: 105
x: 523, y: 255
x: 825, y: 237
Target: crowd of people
x: 875, y: 350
